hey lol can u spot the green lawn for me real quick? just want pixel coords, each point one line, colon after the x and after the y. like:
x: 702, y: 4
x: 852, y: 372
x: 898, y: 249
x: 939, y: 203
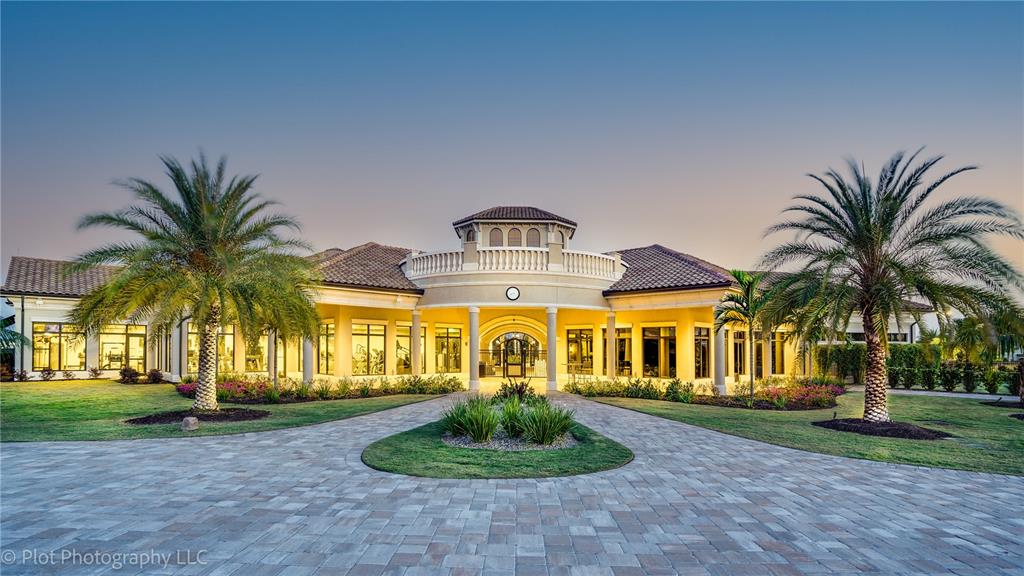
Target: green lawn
x: 420, y: 452
x: 96, y: 409
x: 987, y: 439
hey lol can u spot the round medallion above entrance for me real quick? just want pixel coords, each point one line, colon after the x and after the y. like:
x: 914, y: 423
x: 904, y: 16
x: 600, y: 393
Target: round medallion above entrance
x: 512, y: 293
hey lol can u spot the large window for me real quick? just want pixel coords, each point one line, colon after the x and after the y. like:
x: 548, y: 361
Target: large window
x: 701, y: 352
x: 739, y: 352
x: 580, y: 351
x: 123, y: 345
x: 778, y: 344
x: 403, y: 350
x: 57, y: 346
x: 448, y: 349
x: 225, y: 349
x: 163, y: 350
x: 325, y: 349
x: 533, y: 238
x: 367, y: 349
x: 623, y: 350
x: 659, y: 352
x: 257, y: 355
x: 494, y: 239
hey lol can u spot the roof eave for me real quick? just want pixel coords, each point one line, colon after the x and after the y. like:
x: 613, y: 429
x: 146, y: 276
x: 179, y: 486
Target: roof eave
x: 708, y: 286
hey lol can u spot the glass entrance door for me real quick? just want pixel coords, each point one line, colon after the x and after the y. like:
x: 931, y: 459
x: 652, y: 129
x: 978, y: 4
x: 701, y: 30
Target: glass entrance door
x: 514, y: 352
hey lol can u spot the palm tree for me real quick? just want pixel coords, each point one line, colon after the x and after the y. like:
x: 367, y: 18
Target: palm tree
x: 867, y: 247
x: 746, y: 307
x: 212, y: 252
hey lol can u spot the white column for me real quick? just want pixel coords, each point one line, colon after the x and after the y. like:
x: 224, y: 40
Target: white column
x: 307, y: 360
x: 175, y: 353
x: 552, y: 348
x: 474, y: 349
x: 610, y: 342
x: 414, y: 343
x: 719, y: 353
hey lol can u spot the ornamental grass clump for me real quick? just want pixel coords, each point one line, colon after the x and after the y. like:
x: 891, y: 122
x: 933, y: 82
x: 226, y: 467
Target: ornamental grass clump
x: 512, y: 417
x: 481, y: 421
x: 473, y: 417
x: 544, y: 424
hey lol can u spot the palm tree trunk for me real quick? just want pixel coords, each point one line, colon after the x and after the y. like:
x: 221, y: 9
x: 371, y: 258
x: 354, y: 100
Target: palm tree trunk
x: 206, y: 389
x: 876, y: 407
x: 750, y: 339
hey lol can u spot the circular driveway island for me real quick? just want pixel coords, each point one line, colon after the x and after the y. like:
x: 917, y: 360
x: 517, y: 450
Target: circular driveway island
x: 300, y: 501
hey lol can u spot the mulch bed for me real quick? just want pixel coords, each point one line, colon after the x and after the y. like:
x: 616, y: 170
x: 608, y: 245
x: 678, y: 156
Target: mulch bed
x: 222, y: 415
x: 1017, y: 416
x: 885, y: 429
x: 737, y: 402
x: 1004, y: 404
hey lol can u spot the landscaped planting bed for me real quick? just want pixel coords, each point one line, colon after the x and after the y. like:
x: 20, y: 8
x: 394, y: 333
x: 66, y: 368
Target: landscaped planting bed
x: 247, y: 389
x: 773, y: 394
x: 499, y: 437
x: 222, y: 415
x: 884, y: 429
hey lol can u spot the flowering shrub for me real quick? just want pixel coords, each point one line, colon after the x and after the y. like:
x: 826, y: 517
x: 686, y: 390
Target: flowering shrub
x: 259, y: 390
x: 776, y: 393
x: 818, y: 396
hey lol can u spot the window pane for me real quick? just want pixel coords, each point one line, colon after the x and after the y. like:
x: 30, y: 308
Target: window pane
x: 325, y: 349
x: 495, y: 238
x: 533, y: 238
x: 256, y: 356
x: 515, y: 237
x: 112, y: 351
x: 45, y: 346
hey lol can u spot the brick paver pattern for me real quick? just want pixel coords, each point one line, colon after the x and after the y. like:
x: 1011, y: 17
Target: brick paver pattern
x: 694, y: 501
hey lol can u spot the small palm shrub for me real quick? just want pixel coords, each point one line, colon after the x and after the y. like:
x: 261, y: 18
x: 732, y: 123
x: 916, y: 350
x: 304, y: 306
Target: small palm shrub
x: 21, y: 375
x: 94, y: 372
x: 512, y: 417
x: 154, y: 376
x: 365, y: 388
x: 514, y: 389
x: 69, y: 375
x: 639, y: 388
x: 545, y: 423
x: 323, y: 389
x: 303, y: 391
x: 47, y: 373
x: 678, y: 391
x: 993, y: 380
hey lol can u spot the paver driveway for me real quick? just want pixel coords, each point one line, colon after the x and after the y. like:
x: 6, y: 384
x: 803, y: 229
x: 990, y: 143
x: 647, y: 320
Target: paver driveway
x: 300, y: 501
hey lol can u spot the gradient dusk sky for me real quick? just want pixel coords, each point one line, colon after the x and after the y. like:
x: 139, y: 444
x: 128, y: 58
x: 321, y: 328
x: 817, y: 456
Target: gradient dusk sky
x: 689, y: 125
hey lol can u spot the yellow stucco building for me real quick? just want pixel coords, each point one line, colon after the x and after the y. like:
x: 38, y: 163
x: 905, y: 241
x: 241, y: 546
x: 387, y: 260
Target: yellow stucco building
x: 513, y: 299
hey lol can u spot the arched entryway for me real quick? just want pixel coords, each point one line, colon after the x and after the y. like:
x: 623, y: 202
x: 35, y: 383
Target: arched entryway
x: 515, y: 355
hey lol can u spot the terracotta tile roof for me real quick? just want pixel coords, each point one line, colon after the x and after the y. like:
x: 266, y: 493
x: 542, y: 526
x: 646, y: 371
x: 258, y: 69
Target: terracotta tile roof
x: 657, y: 268
x: 41, y: 277
x: 514, y: 213
x: 369, y: 265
